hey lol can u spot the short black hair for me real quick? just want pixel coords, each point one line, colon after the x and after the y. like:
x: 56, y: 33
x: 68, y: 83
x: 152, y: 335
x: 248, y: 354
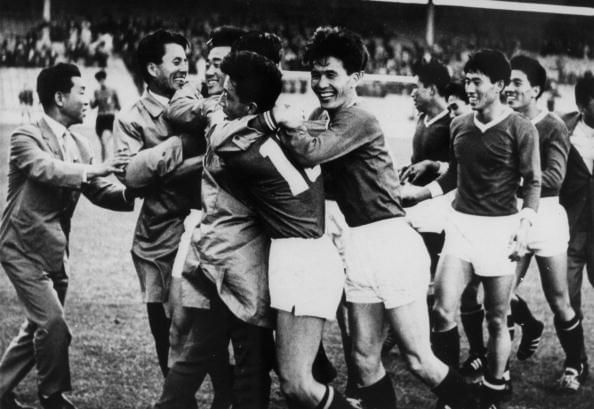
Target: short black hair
x: 535, y: 72
x: 267, y: 44
x: 491, y: 63
x: 340, y: 43
x: 224, y: 36
x: 456, y: 89
x: 152, y: 49
x: 100, y: 75
x: 255, y: 77
x: 55, y: 79
x: 433, y: 73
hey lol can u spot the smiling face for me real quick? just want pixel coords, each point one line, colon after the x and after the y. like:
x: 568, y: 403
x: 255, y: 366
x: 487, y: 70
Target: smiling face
x: 74, y: 103
x: 482, y: 93
x: 170, y: 75
x: 520, y: 94
x: 214, y: 76
x: 421, y: 96
x: 457, y: 106
x: 331, y: 83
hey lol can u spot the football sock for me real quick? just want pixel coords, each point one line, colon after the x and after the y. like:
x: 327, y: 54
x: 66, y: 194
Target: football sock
x: 472, y: 322
x: 452, y: 390
x: 446, y: 346
x: 159, y: 325
x: 379, y: 395
x: 571, y: 337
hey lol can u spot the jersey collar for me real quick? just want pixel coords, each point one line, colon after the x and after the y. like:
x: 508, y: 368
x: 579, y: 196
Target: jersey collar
x: 436, y: 118
x: 485, y: 127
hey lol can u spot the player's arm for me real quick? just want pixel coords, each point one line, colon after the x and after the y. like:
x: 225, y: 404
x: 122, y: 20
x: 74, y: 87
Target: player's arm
x: 443, y: 184
x: 349, y: 130
x: 108, y: 195
x: 188, y: 109
x: 556, y: 151
x: 529, y: 166
x: 39, y: 165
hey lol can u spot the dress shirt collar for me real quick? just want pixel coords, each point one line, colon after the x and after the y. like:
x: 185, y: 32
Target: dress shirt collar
x: 57, y: 128
x: 485, y: 127
x: 436, y: 118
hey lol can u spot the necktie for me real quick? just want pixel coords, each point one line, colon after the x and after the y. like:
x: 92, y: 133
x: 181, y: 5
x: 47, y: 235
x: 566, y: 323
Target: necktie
x: 68, y: 148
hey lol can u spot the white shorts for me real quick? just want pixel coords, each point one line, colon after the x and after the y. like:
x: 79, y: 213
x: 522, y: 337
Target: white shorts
x: 430, y: 216
x: 336, y: 227
x: 305, y: 277
x: 387, y: 262
x: 483, y: 241
x: 549, y: 235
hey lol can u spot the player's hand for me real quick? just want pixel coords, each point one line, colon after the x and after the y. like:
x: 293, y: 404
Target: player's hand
x: 410, y: 194
x: 116, y: 165
x: 519, y: 241
x: 415, y: 171
x: 287, y: 117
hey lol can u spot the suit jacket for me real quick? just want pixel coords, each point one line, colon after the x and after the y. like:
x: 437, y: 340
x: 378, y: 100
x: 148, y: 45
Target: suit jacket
x: 578, y: 187
x: 42, y: 193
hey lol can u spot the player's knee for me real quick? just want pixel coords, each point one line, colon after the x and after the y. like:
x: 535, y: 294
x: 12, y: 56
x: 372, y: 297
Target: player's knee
x: 496, y: 322
x: 442, y: 316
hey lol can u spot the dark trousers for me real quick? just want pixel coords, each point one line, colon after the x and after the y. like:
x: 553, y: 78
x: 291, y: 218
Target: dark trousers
x: 44, y: 337
x: 206, y: 347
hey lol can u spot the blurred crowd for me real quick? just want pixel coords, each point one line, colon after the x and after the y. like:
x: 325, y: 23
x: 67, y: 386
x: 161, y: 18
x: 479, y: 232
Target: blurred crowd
x: 91, y: 41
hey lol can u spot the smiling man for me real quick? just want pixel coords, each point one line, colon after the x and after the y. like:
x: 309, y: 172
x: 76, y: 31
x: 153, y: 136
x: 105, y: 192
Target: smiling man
x: 388, y: 266
x: 492, y: 149
x: 48, y: 170
x: 163, y: 63
x: 549, y: 236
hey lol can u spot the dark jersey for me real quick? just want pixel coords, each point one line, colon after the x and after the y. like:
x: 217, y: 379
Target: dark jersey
x: 431, y: 141
x: 357, y: 167
x: 554, y: 149
x: 287, y: 198
x: 487, y: 162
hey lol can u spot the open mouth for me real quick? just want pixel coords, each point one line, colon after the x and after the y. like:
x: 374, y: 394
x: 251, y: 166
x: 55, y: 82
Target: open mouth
x: 325, y: 96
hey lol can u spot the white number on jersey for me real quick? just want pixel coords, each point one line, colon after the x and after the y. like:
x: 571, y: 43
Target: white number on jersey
x: 285, y: 168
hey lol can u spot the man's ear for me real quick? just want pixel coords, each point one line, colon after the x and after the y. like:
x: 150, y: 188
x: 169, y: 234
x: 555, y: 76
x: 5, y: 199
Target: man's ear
x: 501, y: 85
x: 252, y: 108
x: 356, y: 77
x: 59, y: 98
x: 536, y: 90
x: 152, y: 69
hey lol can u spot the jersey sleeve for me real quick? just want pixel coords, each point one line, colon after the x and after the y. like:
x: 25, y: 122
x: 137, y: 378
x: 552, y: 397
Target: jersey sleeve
x: 529, y: 163
x: 556, y: 150
x: 349, y: 130
x: 449, y: 180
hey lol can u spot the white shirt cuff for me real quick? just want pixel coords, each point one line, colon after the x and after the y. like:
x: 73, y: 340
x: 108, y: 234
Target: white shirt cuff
x: 85, y: 178
x: 435, y: 189
x: 528, y: 214
x: 443, y: 167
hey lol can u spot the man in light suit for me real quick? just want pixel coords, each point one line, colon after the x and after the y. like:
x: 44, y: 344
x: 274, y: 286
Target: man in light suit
x: 49, y: 168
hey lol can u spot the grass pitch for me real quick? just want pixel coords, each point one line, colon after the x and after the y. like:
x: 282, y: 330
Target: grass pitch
x: 112, y: 354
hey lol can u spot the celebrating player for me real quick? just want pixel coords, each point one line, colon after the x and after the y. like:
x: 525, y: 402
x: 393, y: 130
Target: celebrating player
x: 492, y: 149
x: 360, y: 175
